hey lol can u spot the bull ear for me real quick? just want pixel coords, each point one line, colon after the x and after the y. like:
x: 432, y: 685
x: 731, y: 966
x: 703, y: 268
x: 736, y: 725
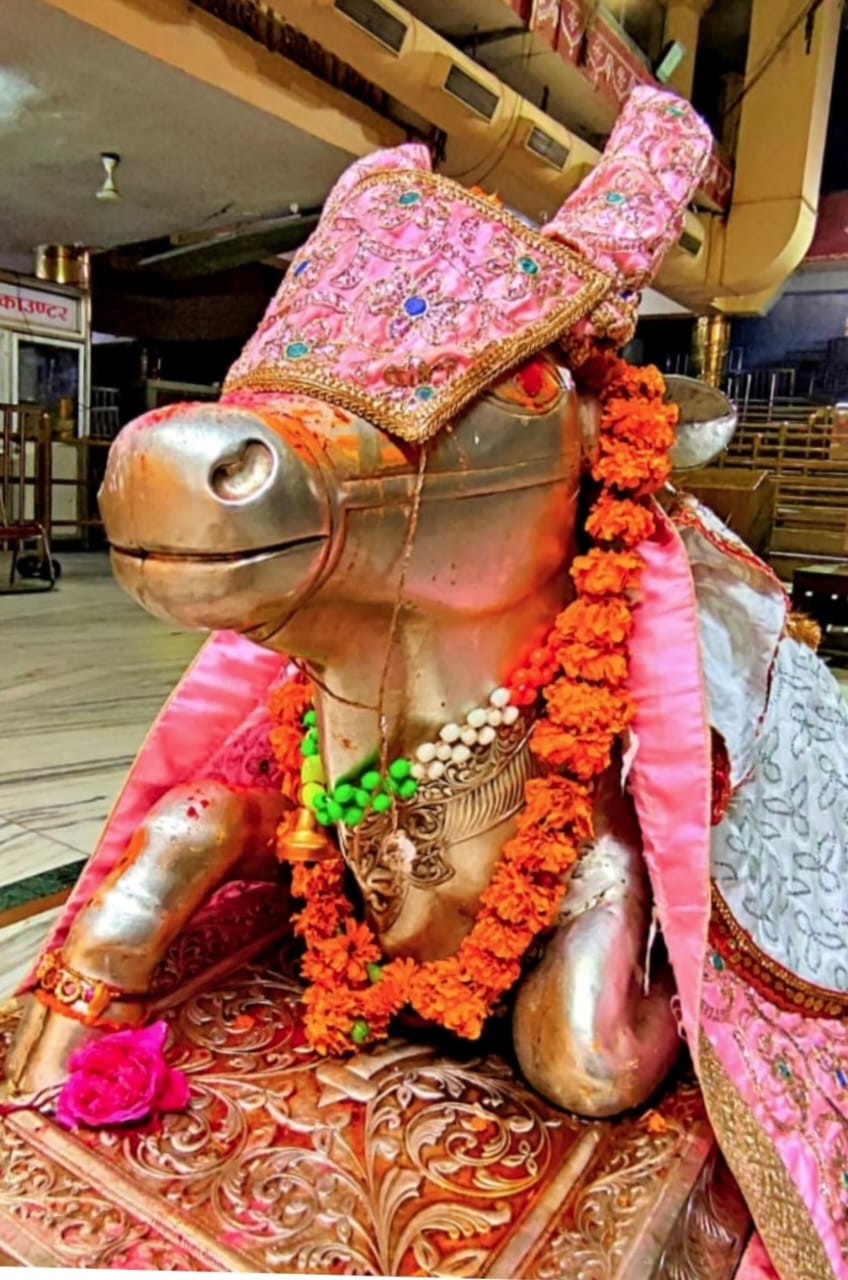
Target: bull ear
x: 629, y: 211
x: 706, y: 423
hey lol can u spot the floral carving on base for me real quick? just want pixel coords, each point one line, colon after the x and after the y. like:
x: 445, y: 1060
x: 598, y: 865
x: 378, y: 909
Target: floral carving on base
x: 403, y: 1160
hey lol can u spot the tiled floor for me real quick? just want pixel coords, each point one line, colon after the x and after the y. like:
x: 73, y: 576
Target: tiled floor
x: 83, y: 671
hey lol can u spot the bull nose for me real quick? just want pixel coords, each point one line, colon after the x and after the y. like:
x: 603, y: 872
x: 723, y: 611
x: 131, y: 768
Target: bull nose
x: 244, y: 473
x: 212, y: 480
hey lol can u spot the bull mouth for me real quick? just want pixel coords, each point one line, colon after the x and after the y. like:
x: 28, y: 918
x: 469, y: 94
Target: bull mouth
x: 217, y: 557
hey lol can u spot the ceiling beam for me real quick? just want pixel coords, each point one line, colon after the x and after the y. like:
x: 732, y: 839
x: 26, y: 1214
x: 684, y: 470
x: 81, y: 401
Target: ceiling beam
x: 200, y: 45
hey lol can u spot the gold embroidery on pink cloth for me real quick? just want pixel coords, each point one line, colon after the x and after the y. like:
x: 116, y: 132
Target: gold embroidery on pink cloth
x: 410, y: 298
x: 413, y: 295
x: 778, y: 1210
x: 629, y: 212
x: 774, y: 981
x: 783, y: 1122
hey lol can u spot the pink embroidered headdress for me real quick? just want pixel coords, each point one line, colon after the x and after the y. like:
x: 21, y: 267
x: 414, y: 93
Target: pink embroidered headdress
x: 413, y: 294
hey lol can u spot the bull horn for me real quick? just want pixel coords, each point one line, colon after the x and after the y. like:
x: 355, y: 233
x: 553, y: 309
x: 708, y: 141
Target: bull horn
x: 626, y: 215
x: 706, y: 422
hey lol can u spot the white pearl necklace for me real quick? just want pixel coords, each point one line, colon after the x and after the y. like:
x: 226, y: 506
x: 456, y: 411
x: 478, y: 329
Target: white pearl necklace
x: 454, y: 742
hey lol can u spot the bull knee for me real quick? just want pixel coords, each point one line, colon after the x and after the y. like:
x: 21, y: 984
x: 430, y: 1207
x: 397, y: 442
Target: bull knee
x: 197, y: 836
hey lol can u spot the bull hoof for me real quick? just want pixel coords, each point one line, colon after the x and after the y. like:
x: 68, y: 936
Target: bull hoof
x: 45, y: 1041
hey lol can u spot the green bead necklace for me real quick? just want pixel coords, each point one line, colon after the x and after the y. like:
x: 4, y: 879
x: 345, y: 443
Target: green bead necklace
x: 352, y: 797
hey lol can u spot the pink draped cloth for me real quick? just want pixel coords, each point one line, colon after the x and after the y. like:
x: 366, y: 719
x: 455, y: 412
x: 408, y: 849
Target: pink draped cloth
x: 223, y: 696
x: 792, y: 1073
x: 671, y: 776
x: 755, y: 1264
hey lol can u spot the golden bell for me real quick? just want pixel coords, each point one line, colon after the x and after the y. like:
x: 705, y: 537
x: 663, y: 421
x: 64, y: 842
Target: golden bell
x: 303, y: 841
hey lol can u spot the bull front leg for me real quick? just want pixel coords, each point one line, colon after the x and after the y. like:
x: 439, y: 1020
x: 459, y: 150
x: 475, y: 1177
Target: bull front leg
x: 195, y: 838
x: 588, y: 1036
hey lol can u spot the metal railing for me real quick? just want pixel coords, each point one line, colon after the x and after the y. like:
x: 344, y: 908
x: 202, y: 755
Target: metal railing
x: 805, y: 448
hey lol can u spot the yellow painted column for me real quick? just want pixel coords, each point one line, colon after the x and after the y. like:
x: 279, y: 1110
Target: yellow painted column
x: 710, y: 347
x: 780, y: 148
x: 683, y: 22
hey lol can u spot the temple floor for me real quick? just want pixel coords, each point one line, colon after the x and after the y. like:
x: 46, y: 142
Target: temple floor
x: 84, y: 672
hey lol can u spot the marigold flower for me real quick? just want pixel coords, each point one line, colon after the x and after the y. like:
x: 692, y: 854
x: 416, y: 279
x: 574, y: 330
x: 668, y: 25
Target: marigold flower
x: 286, y: 704
x: 503, y: 941
x: 574, y: 705
x: 491, y: 973
x: 540, y: 852
x: 377, y: 1008
x: 395, y: 980
x: 324, y: 879
x: 625, y: 466
x: 639, y: 422
x: 585, y: 662
x: 606, y: 623
x: 328, y: 1019
x: 285, y: 745
x: 447, y: 996
x: 583, y: 754
x: 606, y: 573
x: 320, y: 919
x: 553, y: 803
x: 343, y: 956
x: 522, y: 899
x: 608, y: 376
x: 289, y: 699
x: 642, y: 380
x: 620, y: 520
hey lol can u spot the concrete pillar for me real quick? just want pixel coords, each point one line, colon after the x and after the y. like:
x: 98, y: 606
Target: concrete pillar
x: 683, y: 22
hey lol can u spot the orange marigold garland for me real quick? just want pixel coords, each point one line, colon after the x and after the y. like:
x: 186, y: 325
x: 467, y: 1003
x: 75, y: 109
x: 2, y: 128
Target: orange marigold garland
x: 581, y: 671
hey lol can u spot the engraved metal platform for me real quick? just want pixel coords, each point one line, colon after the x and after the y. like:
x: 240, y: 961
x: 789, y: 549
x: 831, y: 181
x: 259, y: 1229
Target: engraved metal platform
x: 400, y: 1161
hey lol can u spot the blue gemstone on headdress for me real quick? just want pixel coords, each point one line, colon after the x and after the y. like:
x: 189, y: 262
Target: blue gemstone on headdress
x: 297, y: 350
x: 425, y: 393
x: 841, y: 1077
x: 528, y: 265
x: 415, y: 306
x: 409, y: 197
x: 716, y: 961
x: 301, y: 267
x: 783, y: 1070
x: 615, y: 197
x: 674, y: 111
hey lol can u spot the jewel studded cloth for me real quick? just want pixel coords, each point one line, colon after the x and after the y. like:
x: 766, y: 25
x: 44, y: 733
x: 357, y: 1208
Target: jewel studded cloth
x: 413, y: 295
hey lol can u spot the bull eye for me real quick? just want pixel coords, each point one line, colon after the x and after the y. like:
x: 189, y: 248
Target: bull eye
x: 244, y: 473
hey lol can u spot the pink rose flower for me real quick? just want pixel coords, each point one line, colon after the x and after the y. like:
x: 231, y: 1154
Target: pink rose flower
x: 120, y: 1078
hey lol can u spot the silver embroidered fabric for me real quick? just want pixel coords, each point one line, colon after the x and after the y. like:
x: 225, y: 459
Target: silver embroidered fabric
x: 741, y: 613
x: 780, y: 857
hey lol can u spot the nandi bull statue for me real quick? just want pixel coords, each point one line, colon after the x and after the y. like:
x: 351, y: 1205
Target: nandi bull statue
x: 388, y: 498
